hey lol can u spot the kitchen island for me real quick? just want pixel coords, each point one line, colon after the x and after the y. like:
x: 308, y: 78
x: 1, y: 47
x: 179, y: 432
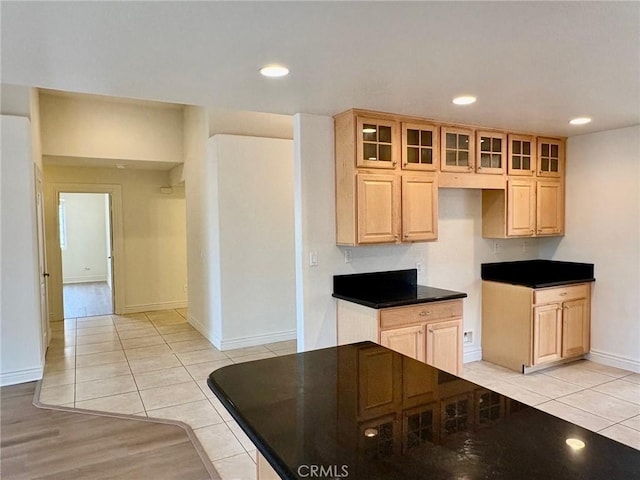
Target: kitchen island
x: 362, y: 411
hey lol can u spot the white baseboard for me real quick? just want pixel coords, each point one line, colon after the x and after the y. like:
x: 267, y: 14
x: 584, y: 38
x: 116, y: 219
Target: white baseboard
x: 252, y: 340
x: 198, y: 325
x: 21, y: 376
x: 85, y: 279
x: 472, y: 354
x: 613, y: 360
x: 153, y: 307
x: 240, y: 342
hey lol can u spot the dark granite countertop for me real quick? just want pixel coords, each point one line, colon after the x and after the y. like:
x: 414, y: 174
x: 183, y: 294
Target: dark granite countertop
x: 538, y: 273
x: 363, y: 412
x: 388, y: 289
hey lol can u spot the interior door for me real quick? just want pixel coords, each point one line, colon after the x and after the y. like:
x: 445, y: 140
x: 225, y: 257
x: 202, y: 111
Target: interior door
x: 109, y: 229
x: 42, y: 262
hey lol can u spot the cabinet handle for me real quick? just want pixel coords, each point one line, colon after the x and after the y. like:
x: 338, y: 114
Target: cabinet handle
x: 431, y: 330
x: 469, y: 168
x: 424, y: 313
x: 420, y: 332
x: 394, y: 163
x: 563, y: 294
x: 396, y: 236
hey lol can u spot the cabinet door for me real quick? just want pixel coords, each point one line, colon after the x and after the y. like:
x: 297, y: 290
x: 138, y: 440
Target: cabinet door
x: 550, y: 157
x: 456, y: 149
x: 408, y: 340
x: 377, y: 143
x: 491, y: 148
x: 575, y: 327
x: 522, y: 155
x: 378, y: 198
x: 379, y: 382
x: 521, y: 207
x: 419, y: 208
x: 420, y: 146
x: 549, y: 208
x: 444, y: 345
x: 547, y: 333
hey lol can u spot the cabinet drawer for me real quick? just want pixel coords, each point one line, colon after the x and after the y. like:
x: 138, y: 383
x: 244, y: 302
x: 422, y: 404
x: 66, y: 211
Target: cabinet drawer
x: 560, y: 294
x: 424, y: 312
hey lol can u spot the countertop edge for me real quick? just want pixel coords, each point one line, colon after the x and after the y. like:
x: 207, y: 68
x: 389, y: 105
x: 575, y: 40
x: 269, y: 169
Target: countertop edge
x: 398, y: 303
x: 558, y: 283
x: 276, y: 463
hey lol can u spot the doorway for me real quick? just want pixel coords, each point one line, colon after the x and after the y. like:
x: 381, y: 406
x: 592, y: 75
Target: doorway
x: 86, y: 239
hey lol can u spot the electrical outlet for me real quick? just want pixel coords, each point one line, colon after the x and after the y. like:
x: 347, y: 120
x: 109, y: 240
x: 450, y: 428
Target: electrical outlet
x: 419, y: 267
x: 348, y: 256
x: 313, y: 259
x: 184, y: 288
x: 467, y: 337
x: 525, y: 246
x: 497, y: 248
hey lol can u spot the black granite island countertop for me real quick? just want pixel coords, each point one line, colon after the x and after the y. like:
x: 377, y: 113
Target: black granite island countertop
x: 538, y: 273
x: 388, y: 289
x: 364, y: 412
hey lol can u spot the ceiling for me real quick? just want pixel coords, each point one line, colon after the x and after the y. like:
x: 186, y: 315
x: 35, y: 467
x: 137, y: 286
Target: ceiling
x: 532, y: 65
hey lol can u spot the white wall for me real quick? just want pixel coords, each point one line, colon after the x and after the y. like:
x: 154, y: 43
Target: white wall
x: 20, y: 327
x: 254, y: 258
x: 603, y: 227
x: 154, y: 234
x: 104, y: 127
x: 453, y: 262
x: 85, y: 257
x: 202, y: 221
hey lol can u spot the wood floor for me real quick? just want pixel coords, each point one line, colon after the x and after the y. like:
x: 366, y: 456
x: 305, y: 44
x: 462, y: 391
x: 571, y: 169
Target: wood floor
x: 86, y: 299
x: 39, y: 443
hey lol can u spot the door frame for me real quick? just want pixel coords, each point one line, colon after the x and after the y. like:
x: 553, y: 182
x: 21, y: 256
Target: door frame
x: 43, y: 280
x: 54, y: 254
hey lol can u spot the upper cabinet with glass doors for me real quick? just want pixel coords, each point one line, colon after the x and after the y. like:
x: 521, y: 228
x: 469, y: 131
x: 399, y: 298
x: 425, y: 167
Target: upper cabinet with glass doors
x: 550, y: 157
x: 420, y: 146
x: 377, y: 143
x: 522, y: 155
x: 491, y: 152
x: 457, y: 150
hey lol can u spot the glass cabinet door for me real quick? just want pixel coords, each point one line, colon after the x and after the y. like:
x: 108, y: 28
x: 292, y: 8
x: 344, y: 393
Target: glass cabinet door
x: 522, y: 158
x: 419, y: 146
x: 457, y: 149
x: 550, y: 157
x: 377, y: 143
x: 491, y: 152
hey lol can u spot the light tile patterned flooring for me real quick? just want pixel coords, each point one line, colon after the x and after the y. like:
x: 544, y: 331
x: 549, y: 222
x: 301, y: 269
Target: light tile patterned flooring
x: 155, y: 364
x: 151, y: 364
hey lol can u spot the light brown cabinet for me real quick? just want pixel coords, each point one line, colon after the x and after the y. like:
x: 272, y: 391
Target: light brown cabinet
x: 457, y: 152
x: 389, y: 169
x: 528, y: 208
x: 429, y: 332
x: 525, y: 328
x: 491, y: 148
x: 420, y: 146
x: 378, y: 200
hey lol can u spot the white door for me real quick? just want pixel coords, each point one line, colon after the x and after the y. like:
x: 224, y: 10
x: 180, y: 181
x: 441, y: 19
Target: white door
x: 42, y: 262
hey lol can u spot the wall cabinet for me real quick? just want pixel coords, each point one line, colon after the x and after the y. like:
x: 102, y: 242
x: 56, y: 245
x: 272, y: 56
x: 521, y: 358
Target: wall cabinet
x: 428, y: 332
x: 528, y: 208
x: 525, y: 328
x: 378, y: 199
x: 389, y: 169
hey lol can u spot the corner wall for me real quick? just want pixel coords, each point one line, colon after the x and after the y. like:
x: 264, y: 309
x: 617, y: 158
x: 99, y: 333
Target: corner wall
x: 253, y: 259
x: 603, y: 228
x: 21, y: 358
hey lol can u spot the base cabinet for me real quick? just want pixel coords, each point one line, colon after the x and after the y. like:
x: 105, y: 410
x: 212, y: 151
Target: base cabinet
x: 429, y: 332
x: 525, y: 328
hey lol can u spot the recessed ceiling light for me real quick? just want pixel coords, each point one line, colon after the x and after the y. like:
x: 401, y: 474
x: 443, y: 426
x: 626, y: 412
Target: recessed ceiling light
x: 274, y: 71
x: 464, y: 100
x: 580, y: 121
